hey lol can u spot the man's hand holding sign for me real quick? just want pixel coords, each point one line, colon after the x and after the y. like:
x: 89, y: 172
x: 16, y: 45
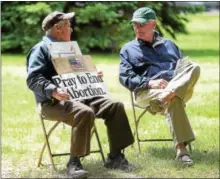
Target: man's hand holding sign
x: 60, y: 95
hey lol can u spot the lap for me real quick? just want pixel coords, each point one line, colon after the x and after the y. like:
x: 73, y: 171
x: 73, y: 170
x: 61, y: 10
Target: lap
x: 103, y: 106
x: 65, y: 111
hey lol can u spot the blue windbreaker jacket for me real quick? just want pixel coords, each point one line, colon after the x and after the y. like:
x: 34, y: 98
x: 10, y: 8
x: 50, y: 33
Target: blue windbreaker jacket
x: 141, y: 62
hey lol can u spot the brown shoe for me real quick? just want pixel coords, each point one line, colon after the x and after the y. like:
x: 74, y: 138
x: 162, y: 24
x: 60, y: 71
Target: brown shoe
x: 158, y: 104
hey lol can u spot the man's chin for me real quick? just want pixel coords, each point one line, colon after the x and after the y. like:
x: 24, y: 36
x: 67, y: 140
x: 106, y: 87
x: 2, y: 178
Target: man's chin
x: 142, y: 38
x: 148, y: 39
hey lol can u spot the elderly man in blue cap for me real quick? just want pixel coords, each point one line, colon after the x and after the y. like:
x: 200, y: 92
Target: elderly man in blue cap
x: 161, y: 79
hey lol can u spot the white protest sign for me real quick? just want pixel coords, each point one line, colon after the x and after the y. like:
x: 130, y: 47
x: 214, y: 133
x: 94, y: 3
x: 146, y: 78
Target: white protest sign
x: 81, y: 85
x: 77, y: 74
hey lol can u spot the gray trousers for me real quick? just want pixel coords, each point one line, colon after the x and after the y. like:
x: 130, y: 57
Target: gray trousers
x: 185, y: 78
x: 81, y: 114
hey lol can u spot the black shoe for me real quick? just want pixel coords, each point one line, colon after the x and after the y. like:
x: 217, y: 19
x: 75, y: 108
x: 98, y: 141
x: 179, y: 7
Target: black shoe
x: 75, y: 169
x: 118, y: 162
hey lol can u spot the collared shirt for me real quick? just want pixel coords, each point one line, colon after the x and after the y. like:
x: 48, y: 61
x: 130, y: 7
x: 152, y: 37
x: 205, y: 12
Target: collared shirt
x: 141, y: 62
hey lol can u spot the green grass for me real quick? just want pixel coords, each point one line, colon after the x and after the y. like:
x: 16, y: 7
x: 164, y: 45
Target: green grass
x: 22, y: 136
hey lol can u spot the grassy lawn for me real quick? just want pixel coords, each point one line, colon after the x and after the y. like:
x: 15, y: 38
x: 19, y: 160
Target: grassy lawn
x: 22, y: 136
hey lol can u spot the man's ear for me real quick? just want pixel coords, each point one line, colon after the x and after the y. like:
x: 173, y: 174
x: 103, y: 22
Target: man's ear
x: 56, y: 27
x: 155, y: 24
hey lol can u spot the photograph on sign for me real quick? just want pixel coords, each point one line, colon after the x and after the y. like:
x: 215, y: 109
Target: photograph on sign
x: 73, y: 64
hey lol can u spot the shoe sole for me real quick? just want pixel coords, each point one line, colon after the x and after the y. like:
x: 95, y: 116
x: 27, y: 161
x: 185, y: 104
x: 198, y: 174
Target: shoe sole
x: 79, y: 175
x: 156, y: 105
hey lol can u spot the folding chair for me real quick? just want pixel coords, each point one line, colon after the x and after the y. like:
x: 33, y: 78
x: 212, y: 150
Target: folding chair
x: 47, y: 143
x: 137, y: 120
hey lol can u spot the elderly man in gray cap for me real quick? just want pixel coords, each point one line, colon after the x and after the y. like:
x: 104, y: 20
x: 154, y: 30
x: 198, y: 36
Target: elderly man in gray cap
x: 79, y: 115
x: 161, y: 79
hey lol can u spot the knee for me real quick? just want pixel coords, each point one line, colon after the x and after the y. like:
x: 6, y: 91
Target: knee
x: 116, y: 112
x: 196, y: 68
x: 118, y: 108
x: 85, y: 114
x: 118, y: 104
x: 88, y: 113
x: 86, y: 117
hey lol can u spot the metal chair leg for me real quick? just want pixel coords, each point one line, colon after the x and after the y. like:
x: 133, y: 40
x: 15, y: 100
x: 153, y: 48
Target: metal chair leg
x: 136, y: 124
x: 47, y: 135
x: 47, y: 142
x: 99, y: 143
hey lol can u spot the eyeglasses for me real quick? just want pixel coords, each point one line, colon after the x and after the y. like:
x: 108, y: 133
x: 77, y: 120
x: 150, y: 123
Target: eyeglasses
x: 137, y: 25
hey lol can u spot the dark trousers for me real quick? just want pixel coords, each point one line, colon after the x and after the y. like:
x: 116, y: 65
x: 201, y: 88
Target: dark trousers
x: 81, y: 114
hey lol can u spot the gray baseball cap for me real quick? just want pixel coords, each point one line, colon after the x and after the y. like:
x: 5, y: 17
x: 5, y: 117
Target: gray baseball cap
x: 55, y: 17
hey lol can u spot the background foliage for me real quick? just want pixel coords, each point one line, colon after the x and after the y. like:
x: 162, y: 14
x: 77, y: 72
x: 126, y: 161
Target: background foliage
x: 97, y: 25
